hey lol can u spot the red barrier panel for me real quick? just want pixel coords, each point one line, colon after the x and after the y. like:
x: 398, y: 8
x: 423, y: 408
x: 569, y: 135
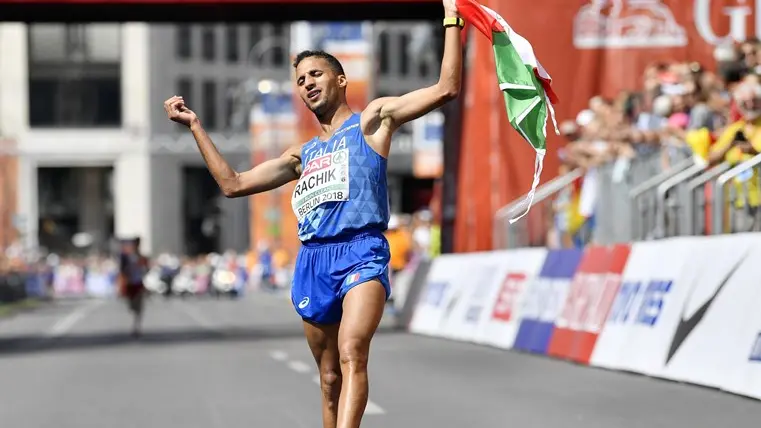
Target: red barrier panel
x: 593, y: 289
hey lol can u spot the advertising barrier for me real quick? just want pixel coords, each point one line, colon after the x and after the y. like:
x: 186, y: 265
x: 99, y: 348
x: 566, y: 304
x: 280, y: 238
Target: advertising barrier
x: 590, y: 297
x: 544, y: 299
x: 638, y: 329
x: 518, y: 269
x: 684, y: 309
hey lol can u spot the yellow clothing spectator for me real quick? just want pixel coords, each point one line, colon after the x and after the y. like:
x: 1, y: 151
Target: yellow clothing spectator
x: 733, y: 150
x: 281, y: 258
x: 435, y: 249
x: 400, y: 244
x: 700, y: 141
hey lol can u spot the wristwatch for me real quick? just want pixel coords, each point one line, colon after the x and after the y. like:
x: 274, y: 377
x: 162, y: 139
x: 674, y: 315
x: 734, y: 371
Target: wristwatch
x: 454, y: 21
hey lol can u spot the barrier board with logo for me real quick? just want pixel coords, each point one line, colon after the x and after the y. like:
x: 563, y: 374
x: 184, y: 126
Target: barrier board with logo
x: 714, y: 336
x: 590, y: 297
x: 544, y: 300
x: 638, y: 330
x: 685, y: 309
x: 476, y: 290
x: 518, y: 269
x: 441, y: 292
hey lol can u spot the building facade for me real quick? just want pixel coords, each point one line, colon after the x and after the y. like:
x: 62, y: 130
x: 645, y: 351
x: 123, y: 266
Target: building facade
x: 94, y: 152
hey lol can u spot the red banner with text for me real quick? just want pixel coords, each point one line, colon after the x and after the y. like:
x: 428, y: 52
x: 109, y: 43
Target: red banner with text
x: 596, y: 47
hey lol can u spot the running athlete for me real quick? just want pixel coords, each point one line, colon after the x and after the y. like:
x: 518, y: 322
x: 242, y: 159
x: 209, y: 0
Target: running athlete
x: 341, y: 281
x: 132, y: 269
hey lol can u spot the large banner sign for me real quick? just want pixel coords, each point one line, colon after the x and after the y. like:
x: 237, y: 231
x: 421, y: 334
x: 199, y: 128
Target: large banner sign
x: 8, y: 192
x: 685, y: 309
x: 610, y: 44
x: 273, y: 127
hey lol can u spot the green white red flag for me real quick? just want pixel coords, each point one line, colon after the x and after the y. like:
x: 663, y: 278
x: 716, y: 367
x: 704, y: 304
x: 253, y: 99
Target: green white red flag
x: 525, y: 84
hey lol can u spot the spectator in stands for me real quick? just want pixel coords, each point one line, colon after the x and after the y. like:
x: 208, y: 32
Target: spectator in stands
x: 421, y: 233
x: 400, y: 244
x: 739, y: 142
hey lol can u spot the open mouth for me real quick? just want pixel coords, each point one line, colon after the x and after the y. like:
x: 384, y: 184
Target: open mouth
x: 313, y: 94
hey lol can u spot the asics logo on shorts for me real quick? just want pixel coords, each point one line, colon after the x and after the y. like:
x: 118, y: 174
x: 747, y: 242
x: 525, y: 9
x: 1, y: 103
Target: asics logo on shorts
x: 304, y: 303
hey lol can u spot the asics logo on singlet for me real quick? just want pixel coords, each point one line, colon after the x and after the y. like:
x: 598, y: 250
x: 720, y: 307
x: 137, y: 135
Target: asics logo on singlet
x: 304, y: 303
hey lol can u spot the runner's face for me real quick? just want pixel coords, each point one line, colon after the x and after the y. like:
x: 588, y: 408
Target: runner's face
x: 319, y: 86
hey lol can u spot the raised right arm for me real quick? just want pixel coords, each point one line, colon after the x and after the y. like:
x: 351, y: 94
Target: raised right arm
x: 268, y: 175
x: 263, y: 177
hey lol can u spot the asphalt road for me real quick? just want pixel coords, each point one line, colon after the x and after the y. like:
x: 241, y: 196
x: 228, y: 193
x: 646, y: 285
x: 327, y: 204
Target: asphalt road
x: 206, y: 364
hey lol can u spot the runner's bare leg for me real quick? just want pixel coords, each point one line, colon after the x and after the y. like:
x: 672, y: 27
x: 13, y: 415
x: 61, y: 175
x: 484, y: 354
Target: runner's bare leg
x: 362, y: 311
x: 323, y: 342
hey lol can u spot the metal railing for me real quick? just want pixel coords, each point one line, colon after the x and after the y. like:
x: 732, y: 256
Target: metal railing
x: 518, y: 234
x: 670, y: 214
x: 641, y: 201
x: 696, y: 200
x: 751, y: 168
x: 644, y: 199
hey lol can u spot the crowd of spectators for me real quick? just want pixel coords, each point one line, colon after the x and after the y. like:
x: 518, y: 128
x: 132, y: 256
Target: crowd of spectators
x: 268, y: 267
x: 682, y: 109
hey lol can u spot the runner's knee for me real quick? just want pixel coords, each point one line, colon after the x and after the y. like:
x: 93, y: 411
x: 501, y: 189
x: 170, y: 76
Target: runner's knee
x: 330, y: 383
x: 354, y: 354
x: 330, y: 378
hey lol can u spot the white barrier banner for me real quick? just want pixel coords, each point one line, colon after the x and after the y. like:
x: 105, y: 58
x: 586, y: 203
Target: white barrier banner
x: 715, y: 333
x: 645, y: 312
x: 746, y: 380
x: 476, y: 290
x: 441, y: 292
x: 480, y: 289
x: 501, y: 319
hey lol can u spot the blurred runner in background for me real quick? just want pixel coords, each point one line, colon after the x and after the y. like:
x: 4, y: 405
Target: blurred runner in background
x: 133, y: 267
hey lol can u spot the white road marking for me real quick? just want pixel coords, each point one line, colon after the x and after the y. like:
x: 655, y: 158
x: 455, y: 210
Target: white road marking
x: 373, y: 409
x: 299, y: 367
x: 65, y: 324
x: 278, y: 355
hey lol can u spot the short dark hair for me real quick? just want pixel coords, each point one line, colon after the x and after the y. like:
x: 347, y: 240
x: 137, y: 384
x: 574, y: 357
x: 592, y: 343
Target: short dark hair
x: 332, y: 61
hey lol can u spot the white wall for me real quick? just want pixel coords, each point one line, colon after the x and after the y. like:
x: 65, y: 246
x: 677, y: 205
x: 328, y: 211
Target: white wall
x: 14, y: 91
x: 132, y: 198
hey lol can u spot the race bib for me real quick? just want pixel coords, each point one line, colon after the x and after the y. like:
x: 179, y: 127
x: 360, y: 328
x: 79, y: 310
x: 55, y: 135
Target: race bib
x: 325, y: 179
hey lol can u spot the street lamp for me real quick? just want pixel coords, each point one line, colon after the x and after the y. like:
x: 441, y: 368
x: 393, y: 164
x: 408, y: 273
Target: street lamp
x: 244, y: 95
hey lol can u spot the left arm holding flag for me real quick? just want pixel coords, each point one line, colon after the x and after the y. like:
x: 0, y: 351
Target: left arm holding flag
x: 385, y: 115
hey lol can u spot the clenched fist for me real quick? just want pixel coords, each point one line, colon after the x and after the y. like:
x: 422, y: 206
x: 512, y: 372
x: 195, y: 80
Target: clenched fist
x: 178, y: 112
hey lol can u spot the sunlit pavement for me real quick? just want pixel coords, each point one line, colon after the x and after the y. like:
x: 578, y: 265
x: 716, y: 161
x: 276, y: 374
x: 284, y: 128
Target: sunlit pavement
x: 244, y: 363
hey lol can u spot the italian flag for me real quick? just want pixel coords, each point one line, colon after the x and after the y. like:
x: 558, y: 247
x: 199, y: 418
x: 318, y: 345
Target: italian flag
x: 523, y: 81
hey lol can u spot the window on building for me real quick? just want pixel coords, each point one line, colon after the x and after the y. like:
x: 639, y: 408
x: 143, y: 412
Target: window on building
x: 209, y: 107
x: 184, y: 41
x: 278, y: 49
x: 230, y: 113
x: 384, y: 54
x: 185, y: 90
x: 232, y: 44
x: 404, y: 60
x: 255, y: 36
x: 74, y: 75
x: 208, y: 41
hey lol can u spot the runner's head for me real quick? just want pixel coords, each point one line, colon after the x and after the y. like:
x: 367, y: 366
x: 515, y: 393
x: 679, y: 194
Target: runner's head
x: 320, y: 80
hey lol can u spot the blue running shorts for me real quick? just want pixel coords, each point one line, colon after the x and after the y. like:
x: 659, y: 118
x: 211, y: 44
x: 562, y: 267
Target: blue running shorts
x: 326, y: 270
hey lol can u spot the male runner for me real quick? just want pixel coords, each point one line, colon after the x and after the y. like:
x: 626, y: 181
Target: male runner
x: 133, y: 267
x: 341, y: 281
